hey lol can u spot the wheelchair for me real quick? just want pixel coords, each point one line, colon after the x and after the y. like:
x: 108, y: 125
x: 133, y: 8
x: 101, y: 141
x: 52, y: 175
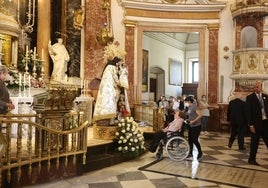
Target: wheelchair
x: 176, y: 146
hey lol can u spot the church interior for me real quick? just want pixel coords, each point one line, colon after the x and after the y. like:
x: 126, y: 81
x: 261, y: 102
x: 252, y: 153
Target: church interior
x: 69, y: 113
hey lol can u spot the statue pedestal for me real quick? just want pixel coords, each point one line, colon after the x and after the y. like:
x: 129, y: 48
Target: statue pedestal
x: 104, y: 132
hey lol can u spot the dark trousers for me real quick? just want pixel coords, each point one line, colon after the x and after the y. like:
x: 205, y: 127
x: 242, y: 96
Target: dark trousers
x: 193, y: 136
x: 239, y: 131
x: 261, y: 131
x: 156, y: 139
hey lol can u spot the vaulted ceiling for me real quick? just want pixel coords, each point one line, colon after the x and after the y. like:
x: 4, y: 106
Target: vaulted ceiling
x: 182, y: 41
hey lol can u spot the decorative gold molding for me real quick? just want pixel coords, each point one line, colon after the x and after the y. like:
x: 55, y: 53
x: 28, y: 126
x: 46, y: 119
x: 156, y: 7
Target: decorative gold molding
x: 213, y: 26
x: 78, y: 20
x: 130, y: 23
x: 172, y: 14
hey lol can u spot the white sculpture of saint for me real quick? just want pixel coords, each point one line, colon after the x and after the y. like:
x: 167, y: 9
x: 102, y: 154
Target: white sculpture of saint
x: 60, y: 57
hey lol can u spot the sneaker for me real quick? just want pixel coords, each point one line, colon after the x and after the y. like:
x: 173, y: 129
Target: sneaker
x: 189, y: 158
x: 199, y: 156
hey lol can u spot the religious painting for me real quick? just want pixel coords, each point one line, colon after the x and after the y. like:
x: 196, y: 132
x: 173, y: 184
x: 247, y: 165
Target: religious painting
x: 145, y: 62
x: 175, y: 72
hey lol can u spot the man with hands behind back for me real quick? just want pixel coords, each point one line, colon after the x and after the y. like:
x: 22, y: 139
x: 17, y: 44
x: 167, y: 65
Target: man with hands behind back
x: 257, y: 110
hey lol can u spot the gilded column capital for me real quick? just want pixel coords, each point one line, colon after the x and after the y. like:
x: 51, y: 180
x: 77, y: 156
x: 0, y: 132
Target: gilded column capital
x: 130, y: 23
x: 213, y: 26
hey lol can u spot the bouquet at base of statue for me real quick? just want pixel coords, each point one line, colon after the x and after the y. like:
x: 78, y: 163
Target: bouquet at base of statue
x: 129, y: 139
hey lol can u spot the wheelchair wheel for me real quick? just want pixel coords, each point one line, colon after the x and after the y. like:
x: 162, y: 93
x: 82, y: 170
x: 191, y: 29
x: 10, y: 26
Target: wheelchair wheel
x: 177, y: 148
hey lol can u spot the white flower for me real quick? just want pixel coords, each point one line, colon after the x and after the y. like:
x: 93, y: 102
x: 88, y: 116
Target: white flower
x: 121, y: 137
x: 119, y: 148
x: 125, y: 141
x: 132, y: 149
x: 117, y: 133
x: 125, y: 148
x: 135, y: 140
x: 119, y: 141
x: 131, y: 140
x: 123, y: 131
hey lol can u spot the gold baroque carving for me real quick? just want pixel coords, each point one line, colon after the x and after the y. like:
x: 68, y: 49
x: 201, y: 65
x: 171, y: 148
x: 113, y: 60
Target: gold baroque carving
x: 174, y: 1
x: 265, y: 62
x: 237, y: 62
x: 78, y: 20
x: 252, y: 62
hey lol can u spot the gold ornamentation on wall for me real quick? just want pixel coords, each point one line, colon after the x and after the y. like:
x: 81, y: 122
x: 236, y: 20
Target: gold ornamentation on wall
x: 237, y: 62
x: 174, y: 1
x: 265, y: 62
x: 252, y: 62
x: 78, y: 20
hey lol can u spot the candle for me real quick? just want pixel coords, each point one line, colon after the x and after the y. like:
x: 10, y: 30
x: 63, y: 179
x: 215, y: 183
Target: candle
x: 81, y: 83
x: 29, y: 79
x: 42, y: 54
x: 34, y: 52
x: 20, y: 79
x: 27, y: 48
x: 24, y: 79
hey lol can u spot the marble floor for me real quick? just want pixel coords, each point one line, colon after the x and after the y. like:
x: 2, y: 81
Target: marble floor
x: 219, y: 167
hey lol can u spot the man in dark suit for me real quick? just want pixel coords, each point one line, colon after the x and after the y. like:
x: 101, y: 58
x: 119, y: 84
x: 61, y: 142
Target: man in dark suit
x: 257, y: 107
x: 237, y: 116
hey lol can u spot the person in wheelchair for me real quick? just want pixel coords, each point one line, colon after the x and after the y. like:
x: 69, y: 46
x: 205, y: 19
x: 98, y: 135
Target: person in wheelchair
x: 173, y: 127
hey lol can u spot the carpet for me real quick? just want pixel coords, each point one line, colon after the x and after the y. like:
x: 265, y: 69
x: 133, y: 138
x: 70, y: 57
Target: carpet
x: 217, y: 173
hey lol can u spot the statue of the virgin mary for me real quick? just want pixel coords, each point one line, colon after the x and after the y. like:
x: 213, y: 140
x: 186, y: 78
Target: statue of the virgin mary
x: 114, y: 80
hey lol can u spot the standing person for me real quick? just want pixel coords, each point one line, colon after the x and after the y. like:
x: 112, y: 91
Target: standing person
x: 5, y: 102
x: 204, y: 107
x: 257, y: 107
x: 109, y: 89
x: 236, y: 115
x: 194, y: 117
x: 60, y: 57
x: 165, y: 106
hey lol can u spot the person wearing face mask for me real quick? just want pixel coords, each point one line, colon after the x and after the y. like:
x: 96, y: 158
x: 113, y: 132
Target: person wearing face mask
x: 236, y: 115
x: 194, y: 119
x: 204, y: 107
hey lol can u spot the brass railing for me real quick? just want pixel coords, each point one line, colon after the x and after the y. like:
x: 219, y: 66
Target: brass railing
x: 27, y: 143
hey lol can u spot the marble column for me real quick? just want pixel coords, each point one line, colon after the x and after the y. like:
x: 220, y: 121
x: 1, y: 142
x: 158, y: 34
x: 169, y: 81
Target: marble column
x: 213, y: 65
x: 43, y: 32
x: 129, y: 47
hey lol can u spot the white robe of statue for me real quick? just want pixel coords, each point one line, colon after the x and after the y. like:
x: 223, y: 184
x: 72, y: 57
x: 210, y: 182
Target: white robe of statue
x: 108, y: 95
x: 60, y: 57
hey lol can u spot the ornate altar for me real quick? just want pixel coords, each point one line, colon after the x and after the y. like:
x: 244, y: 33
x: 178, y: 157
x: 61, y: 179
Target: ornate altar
x: 53, y: 107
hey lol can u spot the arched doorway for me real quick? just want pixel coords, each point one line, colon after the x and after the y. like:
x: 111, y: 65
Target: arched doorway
x: 157, y: 83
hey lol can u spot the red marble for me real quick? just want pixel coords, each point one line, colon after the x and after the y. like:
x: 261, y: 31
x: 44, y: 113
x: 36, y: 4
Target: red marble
x: 213, y: 66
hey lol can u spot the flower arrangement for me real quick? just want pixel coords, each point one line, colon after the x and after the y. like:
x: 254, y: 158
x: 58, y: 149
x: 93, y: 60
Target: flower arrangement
x: 12, y: 81
x: 129, y: 139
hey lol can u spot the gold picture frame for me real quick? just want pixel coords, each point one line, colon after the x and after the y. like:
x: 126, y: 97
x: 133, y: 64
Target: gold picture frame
x: 145, y: 70
x: 175, y: 72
